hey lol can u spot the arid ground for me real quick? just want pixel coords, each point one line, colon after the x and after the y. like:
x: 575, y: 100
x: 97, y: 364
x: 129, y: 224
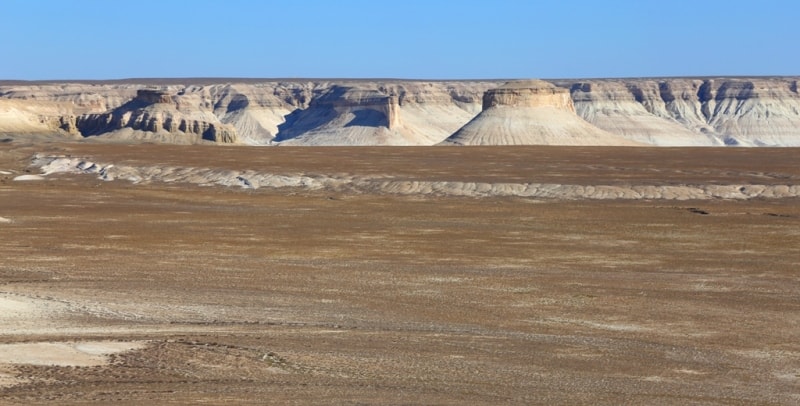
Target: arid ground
x: 163, y: 292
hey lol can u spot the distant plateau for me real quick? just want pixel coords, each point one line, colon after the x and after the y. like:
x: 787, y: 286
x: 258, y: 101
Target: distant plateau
x: 759, y: 111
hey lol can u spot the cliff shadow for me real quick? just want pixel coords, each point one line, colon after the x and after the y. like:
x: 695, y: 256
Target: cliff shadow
x: 368, y: 118
x: 302, y: 121
x: 90, y: 125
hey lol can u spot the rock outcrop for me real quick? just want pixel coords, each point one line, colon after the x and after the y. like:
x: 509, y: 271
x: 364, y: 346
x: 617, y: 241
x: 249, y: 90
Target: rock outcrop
x: 346, y: 116
x: 689, y: 112
x: 532, y: 112
x: 422, y: 113
x: 386, y: 184
x: 150, y: 96
x: 37, y: 117
x: 668, y: 112
x: 154, y: 115
x: 364, y: 113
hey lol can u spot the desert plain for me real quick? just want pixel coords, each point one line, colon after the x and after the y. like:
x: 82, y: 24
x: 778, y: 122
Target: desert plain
x: 169, y: 289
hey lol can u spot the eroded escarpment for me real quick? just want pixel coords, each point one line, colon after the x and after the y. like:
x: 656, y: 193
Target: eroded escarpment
x: 382, y: 112
x: 379, y: 113
x: 37, y: 117
x: 660, y: 112
x: 531, y: 112
x: 346, y: 116
x: 693, y: 112
x: 155, y: 114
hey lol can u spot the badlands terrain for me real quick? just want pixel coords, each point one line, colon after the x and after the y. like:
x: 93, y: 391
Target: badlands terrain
x: 185, y: 241
x: 759, y: 111
x: 141, y: 274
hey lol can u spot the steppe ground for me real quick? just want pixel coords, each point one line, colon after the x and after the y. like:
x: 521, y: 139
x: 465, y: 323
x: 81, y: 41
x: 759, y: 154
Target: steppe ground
x: 288, y: 296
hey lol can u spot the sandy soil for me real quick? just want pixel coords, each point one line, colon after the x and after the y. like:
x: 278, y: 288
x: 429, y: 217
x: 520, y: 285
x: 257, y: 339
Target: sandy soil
x: 170, y: 292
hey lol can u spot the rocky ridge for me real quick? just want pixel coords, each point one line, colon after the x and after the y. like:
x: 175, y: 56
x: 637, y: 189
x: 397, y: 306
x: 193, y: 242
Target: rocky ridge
x: 662, y: 112
x: 250, y: 179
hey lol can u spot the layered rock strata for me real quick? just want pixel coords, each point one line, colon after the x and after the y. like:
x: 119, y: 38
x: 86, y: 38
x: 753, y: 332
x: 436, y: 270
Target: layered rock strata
x: 382, y: 114
x: 662, y: 112
x: 153, y: 114
x: 531, y: 112
x: 346, y: 116
x: 693, y: 112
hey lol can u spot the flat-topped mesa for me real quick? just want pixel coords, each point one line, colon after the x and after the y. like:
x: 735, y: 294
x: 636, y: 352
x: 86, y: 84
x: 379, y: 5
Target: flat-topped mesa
x: 345, y: 100
x: 151, y: 96
x: 531, y: 112
x: 528, y: 93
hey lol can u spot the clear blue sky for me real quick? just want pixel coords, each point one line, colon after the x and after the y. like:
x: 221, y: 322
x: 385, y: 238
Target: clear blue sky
x: 109, y: 39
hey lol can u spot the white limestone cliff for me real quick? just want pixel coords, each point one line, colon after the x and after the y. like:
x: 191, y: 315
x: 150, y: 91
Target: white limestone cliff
x: 532, y: 112
x: 661, y: 112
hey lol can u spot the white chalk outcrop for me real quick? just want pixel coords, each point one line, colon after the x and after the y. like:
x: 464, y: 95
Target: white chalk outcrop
x: 532, y: 112
x: 661, y: 112
x: 693, y: 112
x: 346, y: 116
x: 389, y: 185
x: 428, y: 111
x: 414, y: 113
x: 155, y: 115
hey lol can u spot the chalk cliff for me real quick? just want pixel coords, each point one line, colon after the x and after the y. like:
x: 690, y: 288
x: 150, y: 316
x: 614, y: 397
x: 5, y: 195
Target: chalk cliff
x: 532, y: 112
x: 713, y: 111
x: 378, y: 113
x: 157, y: 115
x: 36, y: 117
x: 346, y: 116
x: 668, y: 112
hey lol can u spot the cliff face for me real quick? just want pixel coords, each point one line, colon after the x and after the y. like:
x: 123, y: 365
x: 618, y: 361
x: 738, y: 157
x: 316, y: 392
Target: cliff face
x: 748, y: 112
x: 255, y: 113
x: 528, y: 94
x: 378, y: 113
x: 36, y: 117
x: 711, y: 111
x: 345, y: 115
x: 155, y: 114
x: 763, y: 112
x: 532, y: 112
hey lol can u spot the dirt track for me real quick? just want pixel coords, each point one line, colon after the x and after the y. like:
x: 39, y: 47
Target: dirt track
x: 277, y: 296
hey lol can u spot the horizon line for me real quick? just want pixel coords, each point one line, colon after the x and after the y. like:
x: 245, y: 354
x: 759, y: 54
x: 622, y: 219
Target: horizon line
x: 235, y: 79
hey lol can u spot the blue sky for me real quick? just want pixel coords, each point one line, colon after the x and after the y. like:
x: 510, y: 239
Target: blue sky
x: 110, y: 39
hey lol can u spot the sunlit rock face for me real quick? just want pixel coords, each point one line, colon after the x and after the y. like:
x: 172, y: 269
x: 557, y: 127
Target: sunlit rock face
x: 531, y: 112
x: 403, y: 113
x: 689, y: 112
x: 346, y: 116
x: 154, y: 115
x: 528, y: 93
x: 660, y: 112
